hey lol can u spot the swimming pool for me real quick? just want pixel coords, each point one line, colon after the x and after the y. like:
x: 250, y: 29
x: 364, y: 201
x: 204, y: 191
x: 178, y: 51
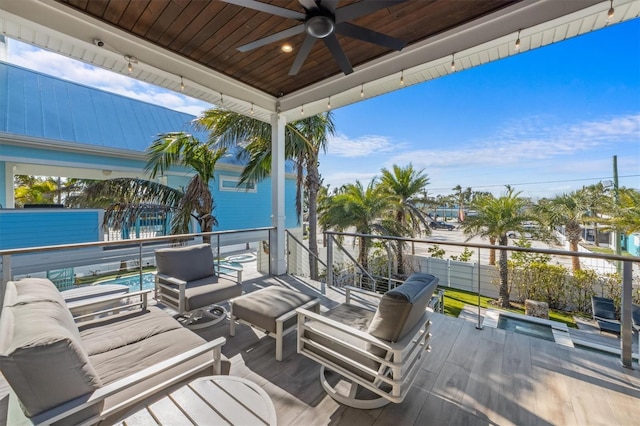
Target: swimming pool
x: 148, y: 278
x: 539, y: 328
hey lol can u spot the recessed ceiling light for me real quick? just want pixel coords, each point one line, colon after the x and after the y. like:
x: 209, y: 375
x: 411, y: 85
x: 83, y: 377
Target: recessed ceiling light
x: 287, y: 48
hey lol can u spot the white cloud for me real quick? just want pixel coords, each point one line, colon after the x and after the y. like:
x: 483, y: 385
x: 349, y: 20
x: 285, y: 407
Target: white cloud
x: 338, y: 179
x: 343, y: 146
x: 70, y: 69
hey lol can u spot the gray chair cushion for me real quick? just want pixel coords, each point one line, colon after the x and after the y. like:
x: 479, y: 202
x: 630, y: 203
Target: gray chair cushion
x: 205, y: 292
x: 401, y: 308
x: 188, y: 263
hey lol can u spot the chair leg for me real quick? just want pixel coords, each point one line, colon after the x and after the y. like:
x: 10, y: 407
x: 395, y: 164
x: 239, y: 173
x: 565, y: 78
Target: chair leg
x: 351, y: 400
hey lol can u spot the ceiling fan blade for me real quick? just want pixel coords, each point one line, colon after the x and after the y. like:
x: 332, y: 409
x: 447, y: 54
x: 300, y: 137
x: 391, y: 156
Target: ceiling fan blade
x: 272, y: 38
x: 309, y: 4
x: 263, y: 7
x: 356, y: 10
x: 334, y: 47
x: 330, y: 5
x: 364, y: 34
x: 307, y: 44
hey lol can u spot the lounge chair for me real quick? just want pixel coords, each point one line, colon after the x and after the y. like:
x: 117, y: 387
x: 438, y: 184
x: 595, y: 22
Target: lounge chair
x: 379, y: 351
x: 186, y: 282
x: 604, y: 313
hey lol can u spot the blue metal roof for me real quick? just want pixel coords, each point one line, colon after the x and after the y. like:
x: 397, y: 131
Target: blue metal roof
x: 41, y: 106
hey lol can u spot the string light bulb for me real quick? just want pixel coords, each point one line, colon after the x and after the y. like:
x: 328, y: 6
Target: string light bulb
x: 453, y: 62
x: 181, y: 84
x: 402, y: 78
x: 329, y: 103
x: 221, y: 98
x: 517, y: 45
x: 362, y: 90
x: 611, y: 12
x: 251, y: 111
x: 130, y: 61
x: 302, y: 109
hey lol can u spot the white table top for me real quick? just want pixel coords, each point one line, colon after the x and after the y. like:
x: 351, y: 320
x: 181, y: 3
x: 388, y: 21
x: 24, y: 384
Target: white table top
x: 213, y: 400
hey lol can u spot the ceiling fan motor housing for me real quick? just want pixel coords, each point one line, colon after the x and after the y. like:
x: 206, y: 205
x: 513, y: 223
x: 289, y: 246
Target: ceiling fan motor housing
x: 319, y: 26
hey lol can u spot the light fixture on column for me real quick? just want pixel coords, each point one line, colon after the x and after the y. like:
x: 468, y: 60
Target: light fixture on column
x: 402, y: 78
x: 611, y: 12
x: 181, y: 84
x: 329, y: 103
x: 517, y: 45
x: 302, y: 109
x: 362, y: 90
x: 130, y: 60
x: 453, y: 62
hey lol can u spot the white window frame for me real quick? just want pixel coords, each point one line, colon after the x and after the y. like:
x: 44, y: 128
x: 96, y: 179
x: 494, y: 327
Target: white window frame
x: 222, y: 179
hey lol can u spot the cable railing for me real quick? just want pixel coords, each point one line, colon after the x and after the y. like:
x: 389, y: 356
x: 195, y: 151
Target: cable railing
x: 475, y: 277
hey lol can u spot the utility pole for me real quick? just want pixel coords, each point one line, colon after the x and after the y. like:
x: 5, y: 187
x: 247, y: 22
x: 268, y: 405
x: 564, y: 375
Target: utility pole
x: 616, y: 203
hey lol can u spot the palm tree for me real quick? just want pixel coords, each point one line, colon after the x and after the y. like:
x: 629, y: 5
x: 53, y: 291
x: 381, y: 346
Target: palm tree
x: 463, y: 197
x: 598, y: 202
x: 361, y: 208
x: 304, y: 141
x: 406, y: 185
x: 495, y: 218
x: 127, y: 197
x: 627, y: 216
x: 568, y: 210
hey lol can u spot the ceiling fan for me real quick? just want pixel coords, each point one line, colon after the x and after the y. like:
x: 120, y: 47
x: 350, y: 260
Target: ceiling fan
x: 322, y: 20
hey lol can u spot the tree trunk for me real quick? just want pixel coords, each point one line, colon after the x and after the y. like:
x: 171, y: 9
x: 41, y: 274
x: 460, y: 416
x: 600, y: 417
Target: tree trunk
x: 573, y: 233
x: 313, y: 184
x: 575, y: 261
x: 504, y: 275
x: 362, y: 252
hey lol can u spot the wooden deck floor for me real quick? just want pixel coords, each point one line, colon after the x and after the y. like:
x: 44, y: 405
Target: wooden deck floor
x: 471, y: 376
x: 483, y: 377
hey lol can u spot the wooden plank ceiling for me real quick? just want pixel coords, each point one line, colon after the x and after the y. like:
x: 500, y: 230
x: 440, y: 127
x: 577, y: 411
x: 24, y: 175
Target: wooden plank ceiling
x: 209, y: 33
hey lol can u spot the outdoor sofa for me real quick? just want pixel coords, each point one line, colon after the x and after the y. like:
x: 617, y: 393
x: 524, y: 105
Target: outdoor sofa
x: 68, y: 372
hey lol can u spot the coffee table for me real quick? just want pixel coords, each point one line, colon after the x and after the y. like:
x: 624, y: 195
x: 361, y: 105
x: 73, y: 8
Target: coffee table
x: 212, y: 400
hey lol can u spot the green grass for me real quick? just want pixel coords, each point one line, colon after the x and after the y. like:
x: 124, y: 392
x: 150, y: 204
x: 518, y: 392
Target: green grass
x: 455, y: 299
x: 605, y: 250
x: 117, y: 274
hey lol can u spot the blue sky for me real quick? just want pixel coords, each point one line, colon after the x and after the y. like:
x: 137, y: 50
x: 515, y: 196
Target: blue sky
x: 546, y: 121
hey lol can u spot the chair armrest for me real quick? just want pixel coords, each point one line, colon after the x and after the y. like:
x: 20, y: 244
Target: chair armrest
x: 142, y: 303
x: 67, y: 409
x: 170, y: 279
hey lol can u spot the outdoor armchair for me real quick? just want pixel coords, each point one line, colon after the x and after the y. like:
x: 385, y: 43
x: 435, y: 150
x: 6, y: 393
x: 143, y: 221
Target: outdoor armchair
x: 378, y: 350
x: 186, y: 282
x: 604, y: 313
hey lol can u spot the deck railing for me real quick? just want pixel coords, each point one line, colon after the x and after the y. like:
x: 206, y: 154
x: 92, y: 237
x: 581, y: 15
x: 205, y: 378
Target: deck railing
x: 375, y: 278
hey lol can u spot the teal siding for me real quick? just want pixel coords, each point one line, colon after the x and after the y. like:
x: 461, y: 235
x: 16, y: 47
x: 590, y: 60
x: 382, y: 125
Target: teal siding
x: 633, y: 244
x: 31, y: 228
x: 3, y: 192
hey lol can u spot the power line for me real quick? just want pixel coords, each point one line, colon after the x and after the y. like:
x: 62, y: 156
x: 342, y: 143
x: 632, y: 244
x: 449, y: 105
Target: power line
x: 537, y: 183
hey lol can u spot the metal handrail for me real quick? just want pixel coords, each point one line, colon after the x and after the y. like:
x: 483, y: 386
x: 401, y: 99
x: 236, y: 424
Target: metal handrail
x: 305, y: 248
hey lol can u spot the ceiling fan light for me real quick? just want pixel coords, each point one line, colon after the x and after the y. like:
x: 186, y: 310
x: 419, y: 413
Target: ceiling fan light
x: 286, y: 48
x: 319, y: 26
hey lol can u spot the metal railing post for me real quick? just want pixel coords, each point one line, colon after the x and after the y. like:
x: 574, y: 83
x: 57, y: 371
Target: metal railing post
x: 479, y: 325
x: 140, y: 264
x: 626, y: 355
x: 329, y: 240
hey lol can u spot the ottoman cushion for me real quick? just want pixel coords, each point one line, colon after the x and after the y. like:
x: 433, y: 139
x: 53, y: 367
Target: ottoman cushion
x: 262, y: 307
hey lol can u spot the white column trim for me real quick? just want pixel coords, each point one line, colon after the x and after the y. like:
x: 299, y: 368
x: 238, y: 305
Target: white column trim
x: 277, y: 250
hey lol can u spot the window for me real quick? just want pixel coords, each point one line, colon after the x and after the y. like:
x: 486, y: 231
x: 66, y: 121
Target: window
x: 229, y: 183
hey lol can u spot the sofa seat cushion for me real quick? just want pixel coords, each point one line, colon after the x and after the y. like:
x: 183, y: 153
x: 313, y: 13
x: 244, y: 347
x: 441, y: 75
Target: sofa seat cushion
x: 126, y: 360
x: 106, y: 334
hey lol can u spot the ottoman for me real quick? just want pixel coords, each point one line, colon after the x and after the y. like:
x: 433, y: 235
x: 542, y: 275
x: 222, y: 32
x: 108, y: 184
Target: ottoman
x: 272, y: 310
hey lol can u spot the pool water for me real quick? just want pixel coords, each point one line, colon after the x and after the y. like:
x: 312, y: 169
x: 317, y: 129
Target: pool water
x: 527, y: 328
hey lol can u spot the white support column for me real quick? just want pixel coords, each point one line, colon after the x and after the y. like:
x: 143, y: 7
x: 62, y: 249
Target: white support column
x: 277, y: 240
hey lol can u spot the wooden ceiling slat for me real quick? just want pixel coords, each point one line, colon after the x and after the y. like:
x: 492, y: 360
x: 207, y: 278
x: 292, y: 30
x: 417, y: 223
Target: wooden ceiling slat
x: 209, y: 33
x: 131, y: 14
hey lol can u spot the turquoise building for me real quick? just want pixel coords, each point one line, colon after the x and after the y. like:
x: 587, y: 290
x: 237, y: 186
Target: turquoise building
x: 54, y: 127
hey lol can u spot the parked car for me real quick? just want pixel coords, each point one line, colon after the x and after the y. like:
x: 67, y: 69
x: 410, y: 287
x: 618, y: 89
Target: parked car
x: 435, y: 224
